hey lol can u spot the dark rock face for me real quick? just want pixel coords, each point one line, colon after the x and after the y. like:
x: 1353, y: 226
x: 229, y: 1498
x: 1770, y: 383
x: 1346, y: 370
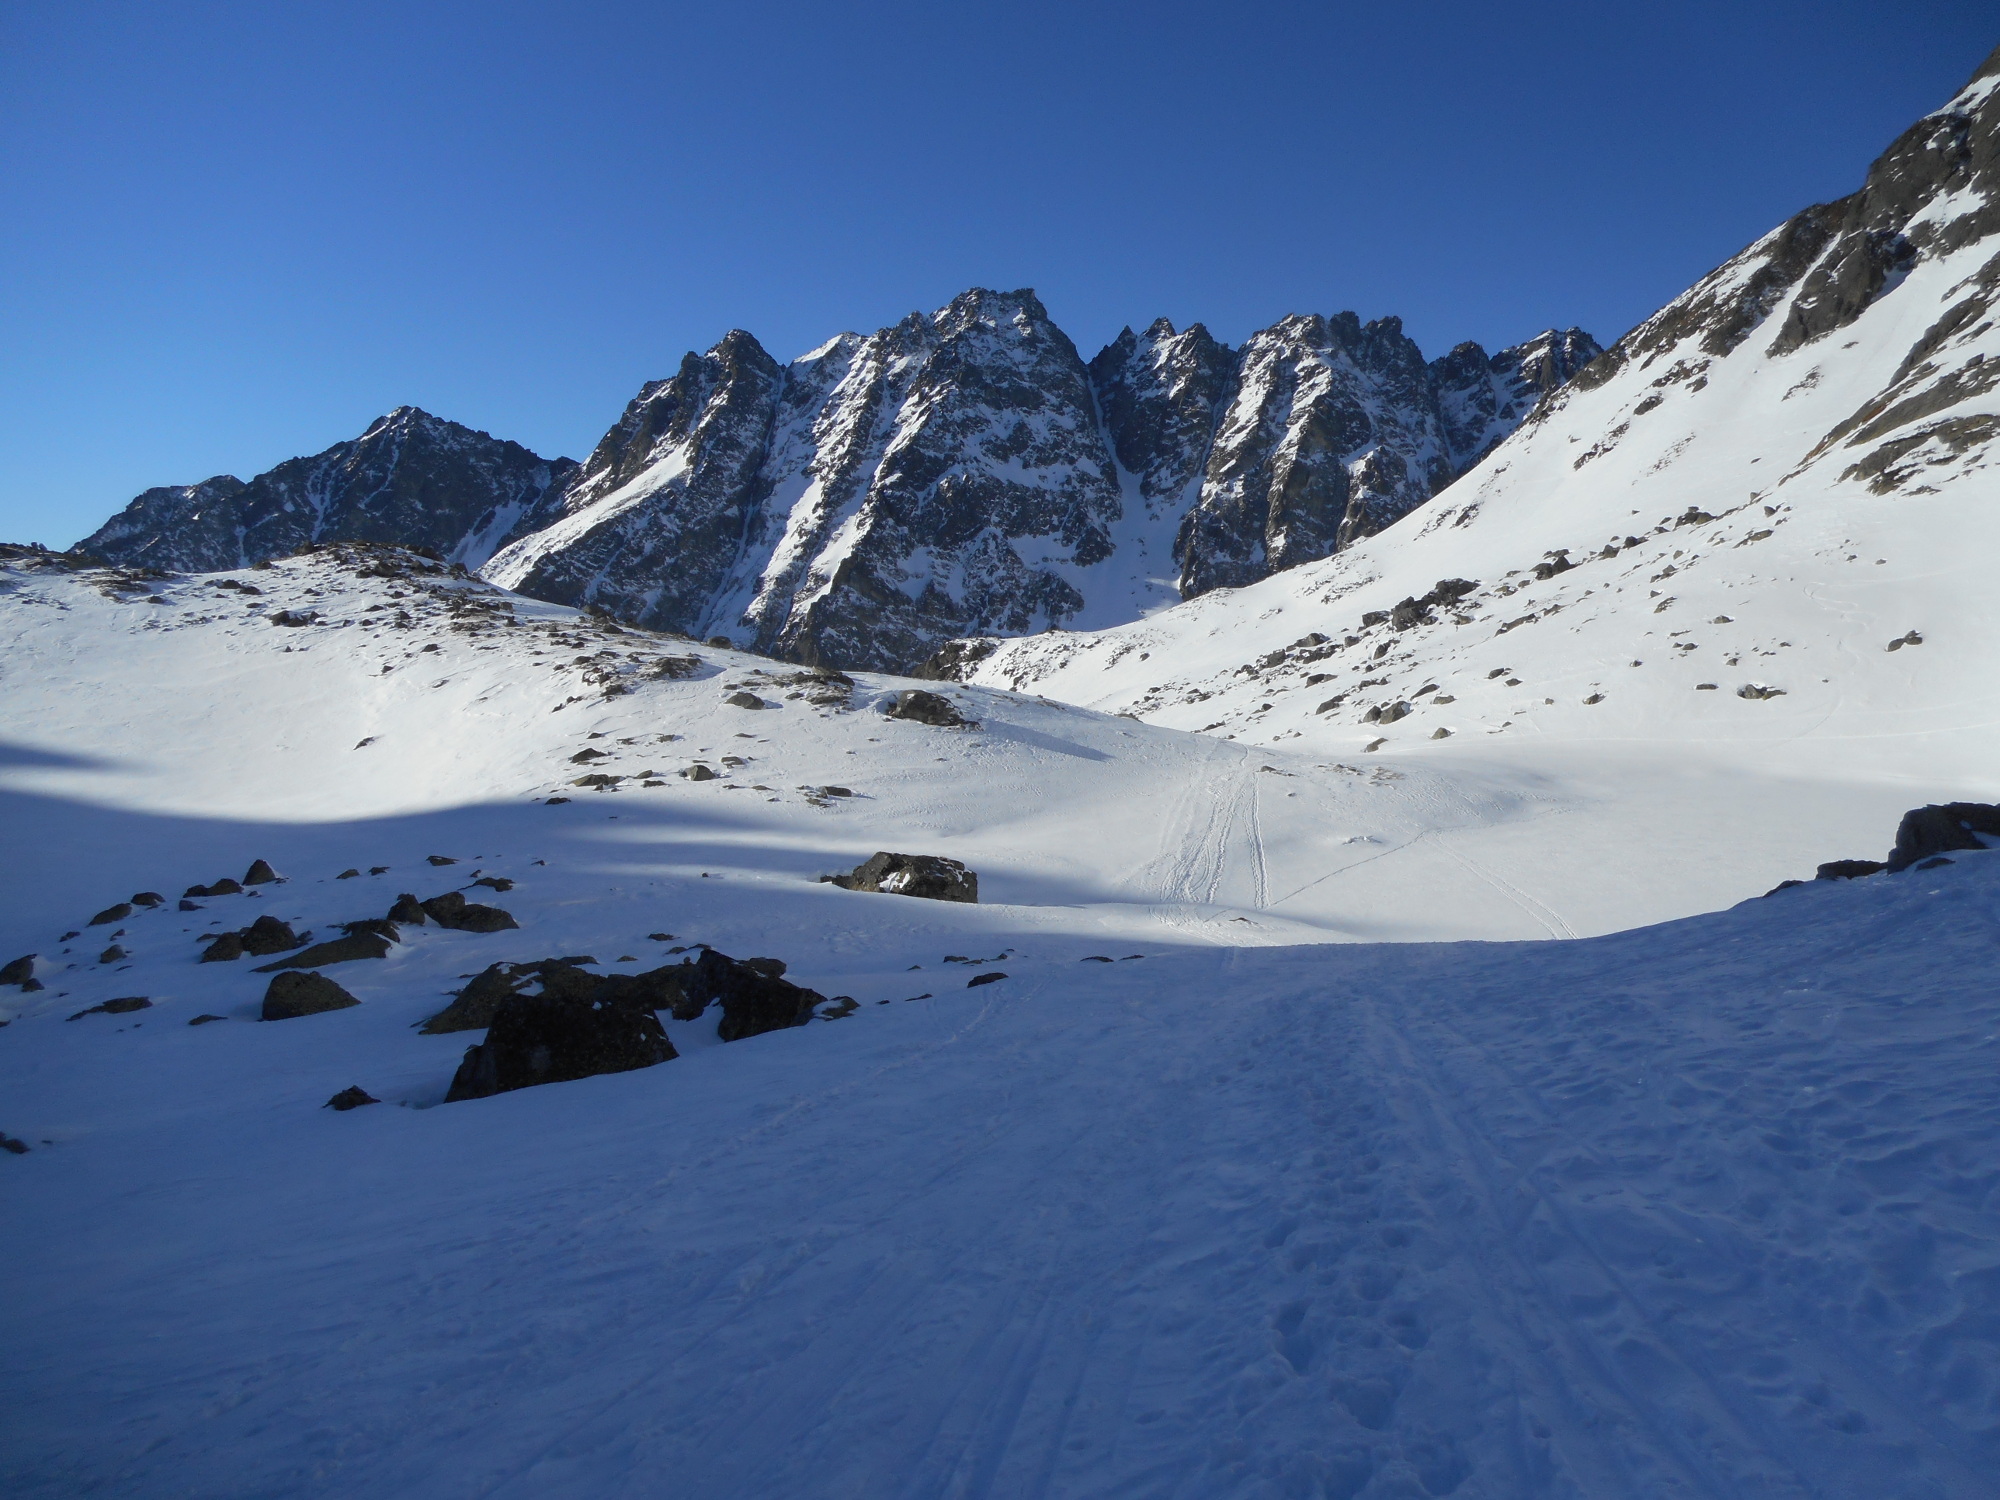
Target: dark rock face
x: 1936, y: 829
x: 411, y: 479
x: 19, y: 970
x: 1335, y: 429
x: 303, y: 992
x: 1849, y: 869
x: 930, y: 876
x: 754, y: 999
x: 554, y: 1038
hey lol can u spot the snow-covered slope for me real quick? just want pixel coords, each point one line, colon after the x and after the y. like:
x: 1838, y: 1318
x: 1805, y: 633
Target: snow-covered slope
x: 1697, y: 1209
x: 1756, y: 534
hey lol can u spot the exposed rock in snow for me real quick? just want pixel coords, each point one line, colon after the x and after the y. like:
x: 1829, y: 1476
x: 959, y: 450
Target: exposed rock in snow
x: 931, y: 876
x: 303, y: 992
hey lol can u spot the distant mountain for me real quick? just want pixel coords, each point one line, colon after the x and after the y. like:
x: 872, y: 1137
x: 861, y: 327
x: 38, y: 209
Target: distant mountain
x: 962, y: 473
x: 411, y: 479
x: 967, y: 473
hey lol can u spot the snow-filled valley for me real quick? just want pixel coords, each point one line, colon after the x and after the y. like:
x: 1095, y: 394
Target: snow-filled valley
x: 1398, y: 1047
x: 1191, y: 1202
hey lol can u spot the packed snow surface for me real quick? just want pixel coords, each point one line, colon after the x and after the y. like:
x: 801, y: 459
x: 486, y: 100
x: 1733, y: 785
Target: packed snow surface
x: 1216, y: 1193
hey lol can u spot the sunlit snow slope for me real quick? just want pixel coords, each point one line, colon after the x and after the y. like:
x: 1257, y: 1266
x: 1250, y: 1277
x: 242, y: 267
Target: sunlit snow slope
x: 1752, y: 543
x: 1178, y: 1207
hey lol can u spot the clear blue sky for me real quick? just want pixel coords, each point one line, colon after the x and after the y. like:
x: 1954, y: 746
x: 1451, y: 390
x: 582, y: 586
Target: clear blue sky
x: 237, y: 232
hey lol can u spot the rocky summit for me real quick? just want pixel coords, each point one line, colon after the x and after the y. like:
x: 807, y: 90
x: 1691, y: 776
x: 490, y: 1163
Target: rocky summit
x: 966, y: 473
x: 962, y: 473
x: 411, y: 480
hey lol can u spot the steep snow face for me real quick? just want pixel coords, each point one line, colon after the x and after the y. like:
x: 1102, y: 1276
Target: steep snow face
x: 1758, y: 528
x: 411, y: 479
x: 1177, y: 1203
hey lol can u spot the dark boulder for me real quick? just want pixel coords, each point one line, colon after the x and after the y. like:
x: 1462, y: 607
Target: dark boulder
x: 1940, y: 828
x: 113, y: 954
x: 923, y: 707
x: 220, y: 888
x: 111, y: 914
x: 19, y: 971
x: 149, y: 899
x: 454, y: 911
x: 745, y: 700
x: 408, y: 911
x: 339, y: 950
x: 536, y: 1039
x: 261, y: 873
x: 267, y: 935
x: 1849, y: 869
x: 350, y: 1098
x: 978, y: 979
x: 439, y: 859
x: 473, y: 1009
x: 754, y: 1000
x: 930, y: 876
x: 303, y: 992
x: 226, y: 949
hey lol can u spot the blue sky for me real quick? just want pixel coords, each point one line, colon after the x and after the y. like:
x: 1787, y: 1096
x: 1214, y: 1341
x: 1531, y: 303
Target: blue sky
x: 239, y: 232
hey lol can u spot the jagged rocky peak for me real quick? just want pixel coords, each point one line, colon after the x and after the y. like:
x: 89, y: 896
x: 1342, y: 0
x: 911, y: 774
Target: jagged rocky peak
x: 981, y: 482
x: 658, y: 514
x: 853, y: 508
x: 411, y: 479
x: 1332, y: 431
x: 1484, y: 398
x: 1159, y: 394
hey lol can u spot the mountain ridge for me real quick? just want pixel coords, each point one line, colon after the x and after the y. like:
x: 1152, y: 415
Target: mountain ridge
x: 957, y: 472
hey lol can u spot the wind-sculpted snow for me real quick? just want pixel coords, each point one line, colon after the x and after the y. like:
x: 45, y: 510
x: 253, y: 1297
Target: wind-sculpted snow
x: 410, y: 479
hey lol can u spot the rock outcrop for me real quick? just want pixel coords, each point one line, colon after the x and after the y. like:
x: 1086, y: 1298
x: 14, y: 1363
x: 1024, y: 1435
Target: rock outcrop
x: 930, y: 876
x: 558, y: 1036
